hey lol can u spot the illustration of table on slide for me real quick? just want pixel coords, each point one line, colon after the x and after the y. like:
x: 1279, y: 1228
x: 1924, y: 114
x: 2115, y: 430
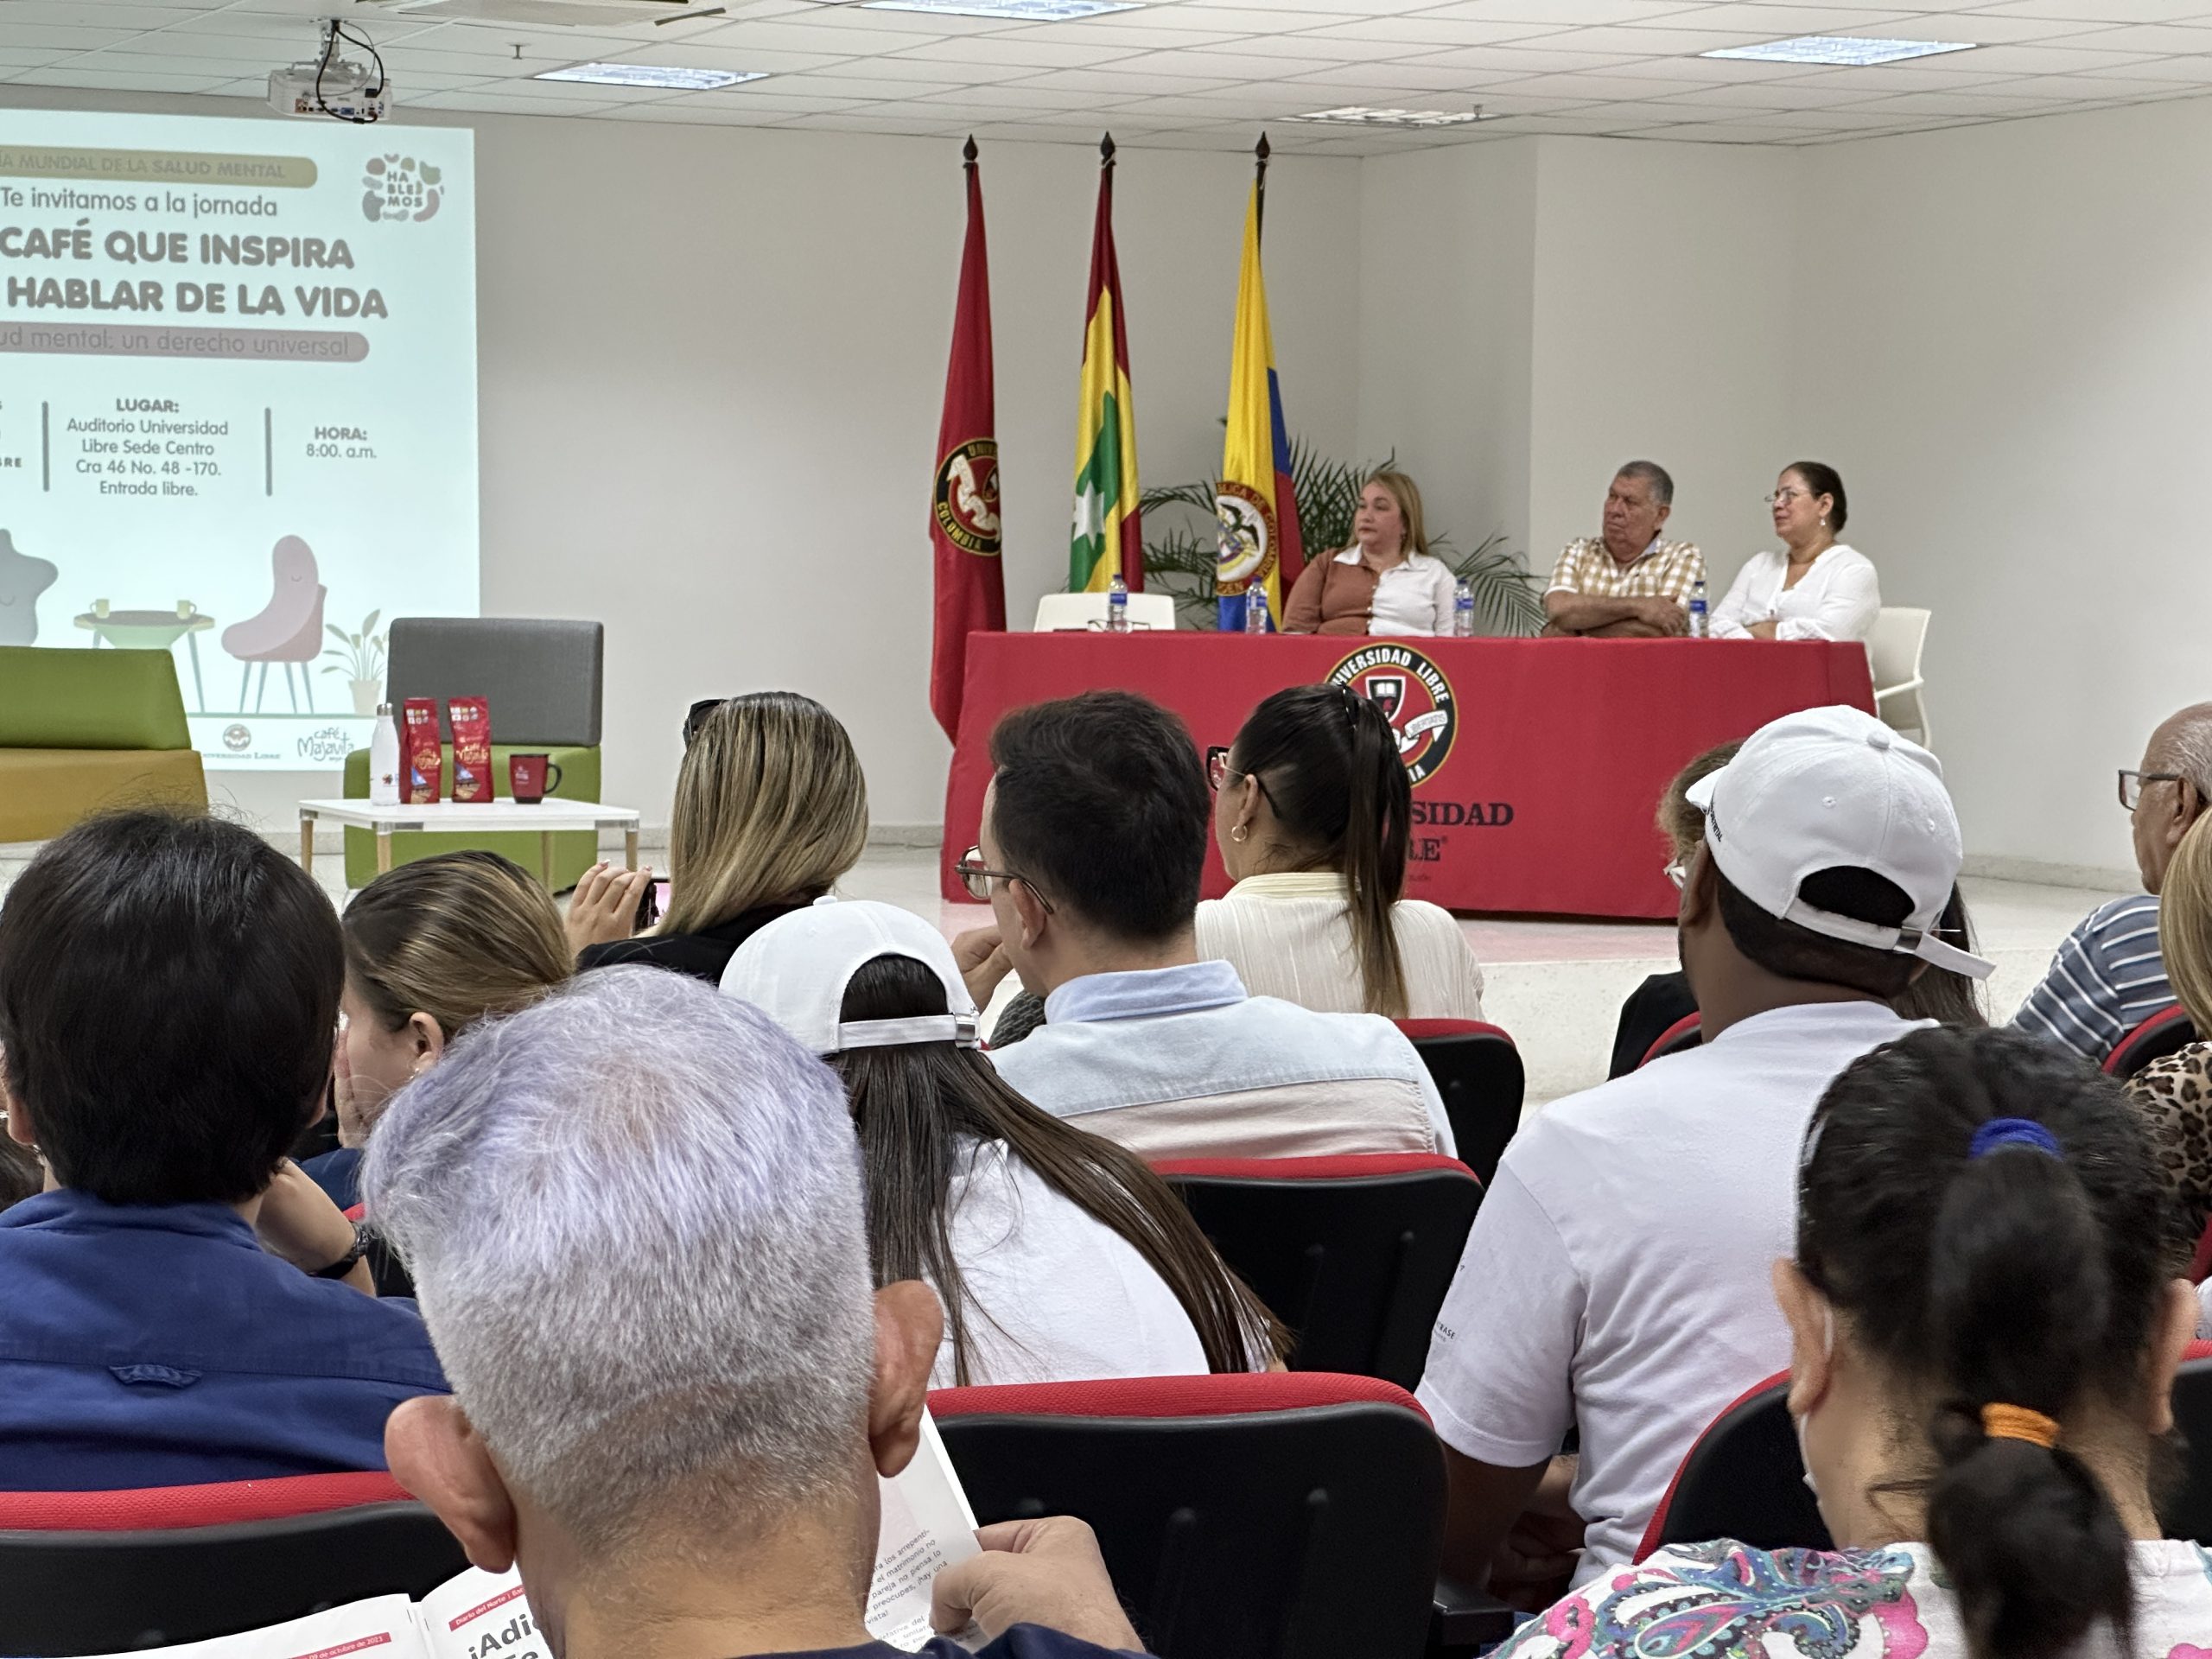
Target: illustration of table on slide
x: 237, y: 406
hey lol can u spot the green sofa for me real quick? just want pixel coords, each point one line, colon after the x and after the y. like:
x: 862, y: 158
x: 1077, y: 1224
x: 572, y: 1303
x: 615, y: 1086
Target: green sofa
x: 574, y: 851
x: 84, y: 731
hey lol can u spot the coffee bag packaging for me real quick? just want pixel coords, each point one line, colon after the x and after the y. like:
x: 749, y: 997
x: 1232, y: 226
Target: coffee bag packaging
x: 418, y: 737
x: 471, y: 720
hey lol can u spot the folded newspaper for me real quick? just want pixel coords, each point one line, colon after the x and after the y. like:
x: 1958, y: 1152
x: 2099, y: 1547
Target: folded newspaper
x: 927, y: 1526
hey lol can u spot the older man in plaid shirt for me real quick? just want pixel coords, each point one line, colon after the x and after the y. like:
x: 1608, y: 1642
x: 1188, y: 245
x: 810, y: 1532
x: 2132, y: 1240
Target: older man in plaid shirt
x: 1629, y: 583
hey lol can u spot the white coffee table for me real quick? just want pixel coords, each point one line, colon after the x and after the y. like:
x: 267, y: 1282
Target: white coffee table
x: 548, y: 817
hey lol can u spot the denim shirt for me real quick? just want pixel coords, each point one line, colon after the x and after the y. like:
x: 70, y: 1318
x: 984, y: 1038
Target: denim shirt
x: 1181, y: 1062
x: 159, y: 1345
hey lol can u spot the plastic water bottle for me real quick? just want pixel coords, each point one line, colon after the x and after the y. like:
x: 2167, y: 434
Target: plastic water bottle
x: 1700, y: 617
x: 1255, y: 610
x: 1463, y: 610
x: 383, y: 759
x: 1117, y: 605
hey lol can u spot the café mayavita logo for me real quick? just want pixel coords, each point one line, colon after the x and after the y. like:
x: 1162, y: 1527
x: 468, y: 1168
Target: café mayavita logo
x: 1414, y: 696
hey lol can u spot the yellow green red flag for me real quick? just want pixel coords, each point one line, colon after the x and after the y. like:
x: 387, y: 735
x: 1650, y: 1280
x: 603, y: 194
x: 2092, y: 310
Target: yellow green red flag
x: 1107, y: 539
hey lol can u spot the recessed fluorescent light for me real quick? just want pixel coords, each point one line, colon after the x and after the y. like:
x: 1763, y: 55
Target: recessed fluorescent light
x: 1359, y: 115
x: 1024, y: 11
x: 663, y: 77
x: 1839, y: 49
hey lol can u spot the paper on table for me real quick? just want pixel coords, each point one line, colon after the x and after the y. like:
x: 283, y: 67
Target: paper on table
x: 927, y: 1527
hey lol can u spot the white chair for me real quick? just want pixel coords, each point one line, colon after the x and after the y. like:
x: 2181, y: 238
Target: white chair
x: 1899, y: 633
x: 1075, y: 613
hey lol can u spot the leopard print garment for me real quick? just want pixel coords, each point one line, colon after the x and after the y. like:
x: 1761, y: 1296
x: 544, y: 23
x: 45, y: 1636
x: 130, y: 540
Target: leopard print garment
x: 2174, y: 1095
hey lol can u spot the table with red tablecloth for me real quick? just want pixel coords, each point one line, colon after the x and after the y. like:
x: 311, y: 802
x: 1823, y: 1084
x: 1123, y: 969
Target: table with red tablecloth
x: 1537, y: 763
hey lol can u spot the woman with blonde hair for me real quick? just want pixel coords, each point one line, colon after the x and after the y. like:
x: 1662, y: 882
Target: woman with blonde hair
x: 431, y: 948
x: 2174, y: 1095
x: 771, y: 809
x: 1387, y: 581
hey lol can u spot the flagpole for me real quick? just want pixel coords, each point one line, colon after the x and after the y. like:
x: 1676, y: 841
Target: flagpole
x: 1259, y: 225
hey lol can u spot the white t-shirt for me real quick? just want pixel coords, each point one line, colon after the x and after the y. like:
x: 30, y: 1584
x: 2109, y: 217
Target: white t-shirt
x: 1860, y: 1602
x: 1837, y: 598
x: 1617, y: 1275
x: 1054, y: 1295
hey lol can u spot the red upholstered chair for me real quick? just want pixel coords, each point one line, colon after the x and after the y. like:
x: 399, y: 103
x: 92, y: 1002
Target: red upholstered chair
x: 107, y: 1572
x: 2165, y: 1032
x: 287, y: 630
x: 1354, y: 1254
x: 1744, y: 1480
x: 1478, y: 1071
x: 1276, y: 1515
x: 1685, y: 1033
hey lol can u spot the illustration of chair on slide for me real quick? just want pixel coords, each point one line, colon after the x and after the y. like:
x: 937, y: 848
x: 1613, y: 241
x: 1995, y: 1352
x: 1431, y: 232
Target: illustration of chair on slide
x: 288, y: 630
x: 22, y: 579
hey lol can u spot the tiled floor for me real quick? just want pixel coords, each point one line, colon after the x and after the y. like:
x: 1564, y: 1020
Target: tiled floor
x: 1556, y: 986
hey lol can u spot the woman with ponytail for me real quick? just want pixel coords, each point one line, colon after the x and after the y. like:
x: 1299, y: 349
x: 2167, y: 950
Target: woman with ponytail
x: 1312, y: 813
x: 1984, y: 1341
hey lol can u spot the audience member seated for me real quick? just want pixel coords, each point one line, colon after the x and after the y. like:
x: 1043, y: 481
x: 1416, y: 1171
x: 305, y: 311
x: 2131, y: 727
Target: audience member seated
x: 1630, y: 583
x: 2175, y: 1094
x: 1664, y: 999
x: 1387, y: 581
x: 1816, y: 587
x: 1094, y: 835
x: 431, y: 948
x: 1057, y: 1256
x: 635, y: 1212
x: 1615, y: 1279
x: 2109, y: 977
x: 771, y: 809
x: 1983, y: 1343
x: 168, y: 990
x: 1312, y: 813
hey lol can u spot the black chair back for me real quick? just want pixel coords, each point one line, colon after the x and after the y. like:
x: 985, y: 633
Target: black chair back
x: 87, y: 1592
x: 1742, y: 1479
x: 1355, y: 1262
x: 2164, y: 1032
x: 1306, y: 1533
x: 1478, y: 1071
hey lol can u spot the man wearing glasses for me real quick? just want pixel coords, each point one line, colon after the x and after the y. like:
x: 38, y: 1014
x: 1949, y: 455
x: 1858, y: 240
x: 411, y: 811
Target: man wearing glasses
x: 2108, y: 976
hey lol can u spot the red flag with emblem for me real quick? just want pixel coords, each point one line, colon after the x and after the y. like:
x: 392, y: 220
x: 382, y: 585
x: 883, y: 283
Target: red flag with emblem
x: 964, y: 508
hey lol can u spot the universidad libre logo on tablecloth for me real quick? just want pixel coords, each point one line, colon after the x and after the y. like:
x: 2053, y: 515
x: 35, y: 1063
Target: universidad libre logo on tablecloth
x: 1414, y: 696
x: 967, y: 496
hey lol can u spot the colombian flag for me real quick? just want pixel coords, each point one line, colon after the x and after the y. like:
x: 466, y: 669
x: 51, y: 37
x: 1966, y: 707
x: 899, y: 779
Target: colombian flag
x: 1260, y: 551
x: 1108, y: 536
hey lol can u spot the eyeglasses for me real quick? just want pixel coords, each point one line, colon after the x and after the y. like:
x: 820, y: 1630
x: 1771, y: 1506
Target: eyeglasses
x: 977, y: 877
x: 2131, y: 784
x: 1782, y: 496
x: 1219, y: 772
x: 1679, y: 874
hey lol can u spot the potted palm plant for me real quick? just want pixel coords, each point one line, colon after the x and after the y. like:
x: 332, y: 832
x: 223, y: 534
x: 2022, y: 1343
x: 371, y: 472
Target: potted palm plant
x: 1179, y: 559
x: 359, y: 658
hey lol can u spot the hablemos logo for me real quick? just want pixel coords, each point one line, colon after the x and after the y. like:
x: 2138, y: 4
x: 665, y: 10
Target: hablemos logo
x: 1414, y: 698
x: 399, y: 187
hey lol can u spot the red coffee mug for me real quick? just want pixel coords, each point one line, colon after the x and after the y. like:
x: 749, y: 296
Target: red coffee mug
x: 527, y: 780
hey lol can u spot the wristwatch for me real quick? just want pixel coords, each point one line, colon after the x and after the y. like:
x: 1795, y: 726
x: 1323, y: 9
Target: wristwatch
x: 344, y: 1264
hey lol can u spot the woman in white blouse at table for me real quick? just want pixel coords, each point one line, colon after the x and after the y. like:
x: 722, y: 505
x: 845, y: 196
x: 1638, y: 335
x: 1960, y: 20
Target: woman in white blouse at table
x: 1816, y: 587
x: 1311, y: 810
x: 1387, y: 581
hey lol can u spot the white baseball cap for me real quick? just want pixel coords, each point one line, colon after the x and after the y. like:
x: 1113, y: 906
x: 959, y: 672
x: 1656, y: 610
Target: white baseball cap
x: 1834, y: 788
x: 796, y: 968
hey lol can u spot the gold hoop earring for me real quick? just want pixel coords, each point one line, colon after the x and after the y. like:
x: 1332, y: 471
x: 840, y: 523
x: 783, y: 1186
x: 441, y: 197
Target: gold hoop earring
x: 1237, y: 833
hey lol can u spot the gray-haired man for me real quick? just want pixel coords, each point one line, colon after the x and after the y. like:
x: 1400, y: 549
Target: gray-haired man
x: 1630, y: 583
x: 632, y: 1213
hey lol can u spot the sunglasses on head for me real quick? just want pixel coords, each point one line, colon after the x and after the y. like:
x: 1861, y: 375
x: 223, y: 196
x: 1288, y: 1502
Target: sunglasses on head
x: 697, y: 716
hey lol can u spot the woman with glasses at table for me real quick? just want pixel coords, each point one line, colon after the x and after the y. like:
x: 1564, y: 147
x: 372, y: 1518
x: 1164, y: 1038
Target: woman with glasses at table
x: 1312, y: 813
x: 771, y: 809
x: 1816, y: 587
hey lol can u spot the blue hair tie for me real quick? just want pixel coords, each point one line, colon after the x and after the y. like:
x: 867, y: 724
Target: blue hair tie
x: 2013, y: 1132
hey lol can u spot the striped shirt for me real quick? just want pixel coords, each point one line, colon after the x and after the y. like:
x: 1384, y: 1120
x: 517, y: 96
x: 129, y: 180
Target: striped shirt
x: 2107, y: 979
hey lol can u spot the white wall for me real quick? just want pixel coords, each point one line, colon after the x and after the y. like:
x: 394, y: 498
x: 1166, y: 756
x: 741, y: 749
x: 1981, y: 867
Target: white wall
x: 711, y: 361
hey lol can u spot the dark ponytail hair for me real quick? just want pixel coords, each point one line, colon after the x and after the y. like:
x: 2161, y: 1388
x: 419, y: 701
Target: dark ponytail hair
x: 1823, y: 479
x: 1328, y: 762
x: 2018, y: 1278
x: 915, y: 1104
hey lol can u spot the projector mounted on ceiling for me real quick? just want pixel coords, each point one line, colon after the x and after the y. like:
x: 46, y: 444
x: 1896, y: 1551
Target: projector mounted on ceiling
x: 331, y: 84
x: 541, y: 14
